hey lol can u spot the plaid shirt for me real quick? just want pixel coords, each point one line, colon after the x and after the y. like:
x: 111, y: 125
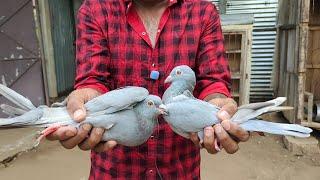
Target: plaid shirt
x: 114, y: 50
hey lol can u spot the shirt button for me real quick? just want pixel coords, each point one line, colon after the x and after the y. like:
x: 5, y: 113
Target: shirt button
x: 151, y: 171
x: 151, y: 137
x: 159, y: 30
x: 143, y: 33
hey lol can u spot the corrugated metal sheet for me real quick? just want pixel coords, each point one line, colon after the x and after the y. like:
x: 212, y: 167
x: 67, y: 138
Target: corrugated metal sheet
x: 264, y: 34
x: 63, y: 33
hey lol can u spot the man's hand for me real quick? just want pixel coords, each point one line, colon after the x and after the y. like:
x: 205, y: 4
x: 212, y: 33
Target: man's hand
x: 228, y: 134
x: 85, y: 137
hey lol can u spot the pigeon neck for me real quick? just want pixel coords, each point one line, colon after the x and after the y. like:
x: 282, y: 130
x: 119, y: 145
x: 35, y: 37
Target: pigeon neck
x: 146, y: 120
x: 177, y: 88
x: 143, y: 113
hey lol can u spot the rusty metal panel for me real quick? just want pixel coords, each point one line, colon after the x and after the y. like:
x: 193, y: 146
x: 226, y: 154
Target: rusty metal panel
x: 29, y: 85
x: 21, y: 28
x: 8, y: 8
x: 10, y: 50
x: 20, y: 65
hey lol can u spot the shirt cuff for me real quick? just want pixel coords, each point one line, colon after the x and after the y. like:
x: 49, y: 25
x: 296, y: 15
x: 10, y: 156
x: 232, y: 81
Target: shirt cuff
x: 97, y: 86
x: 217, y: 87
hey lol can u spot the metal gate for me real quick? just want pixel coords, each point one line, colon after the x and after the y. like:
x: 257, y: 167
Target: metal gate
x: 20, y: 64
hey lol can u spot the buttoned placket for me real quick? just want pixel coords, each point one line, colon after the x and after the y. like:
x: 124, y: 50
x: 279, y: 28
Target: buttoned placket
x: 137, y: 25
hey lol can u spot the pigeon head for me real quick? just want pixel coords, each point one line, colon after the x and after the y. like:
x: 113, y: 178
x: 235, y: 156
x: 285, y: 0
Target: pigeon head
x: 182, y: 73
x: 149, y: 107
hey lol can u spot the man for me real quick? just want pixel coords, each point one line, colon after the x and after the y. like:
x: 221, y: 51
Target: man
x: 119, y: 43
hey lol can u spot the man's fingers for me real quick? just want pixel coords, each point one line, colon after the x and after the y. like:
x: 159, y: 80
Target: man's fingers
x: 209, y: 140
x: 81, y: 135
x: 225, y: 140
x: 94, y: 139
x: 106, y: 146
x: 76, y: 101
x: 63, y: 133
x: 76, y: 108
x: 194, y: 138
x: 218, y: 101
x: 227, y: 110
x: 235, y: 130
x: 223, y: 115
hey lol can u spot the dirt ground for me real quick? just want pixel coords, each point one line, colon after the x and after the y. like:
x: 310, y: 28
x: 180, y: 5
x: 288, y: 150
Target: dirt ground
x: 262, y: 158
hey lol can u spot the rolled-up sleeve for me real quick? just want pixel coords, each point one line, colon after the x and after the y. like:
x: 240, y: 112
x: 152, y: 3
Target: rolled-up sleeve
x: 212, y: 68
x: 92, y: 53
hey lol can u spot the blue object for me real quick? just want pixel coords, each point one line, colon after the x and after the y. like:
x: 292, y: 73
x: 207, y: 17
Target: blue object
x: 154, y: 75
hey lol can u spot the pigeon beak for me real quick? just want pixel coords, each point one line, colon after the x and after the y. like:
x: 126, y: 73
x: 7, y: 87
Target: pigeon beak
x: 163, y: 109
x: 168, y: 79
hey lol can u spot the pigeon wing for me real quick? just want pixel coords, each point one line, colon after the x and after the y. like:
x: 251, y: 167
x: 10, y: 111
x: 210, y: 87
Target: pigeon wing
x: 191, y: 115
x: 251, y: 111
x: 117, y: 100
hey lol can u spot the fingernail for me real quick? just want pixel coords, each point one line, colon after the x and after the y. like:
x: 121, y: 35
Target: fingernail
x: 208, y: 131
x: 226, y: 125
x: 111, y: 144
x: 100, y: 131
x: 86, y: 127
x: 218, y: 129
x: 77, y: 114
x: 224, y: 114
x: 70, y: 133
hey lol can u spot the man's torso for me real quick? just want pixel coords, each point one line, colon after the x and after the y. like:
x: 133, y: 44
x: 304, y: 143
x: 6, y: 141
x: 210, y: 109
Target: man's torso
x: 132, y: 58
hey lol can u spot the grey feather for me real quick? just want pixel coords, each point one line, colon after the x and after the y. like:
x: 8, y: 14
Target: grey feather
x: 12, y: 111
x: 30, y: 118
x: 194, y: 115
x: 130, y: 127
x: 185, y: 114
x: 191, y: 115
x: 16, y: 98
x: 276, y: 128
x: 182, y: 78
x: 117, y: 100
x: 254, y: 110
x: 130, y: 115
x: 60, y: 104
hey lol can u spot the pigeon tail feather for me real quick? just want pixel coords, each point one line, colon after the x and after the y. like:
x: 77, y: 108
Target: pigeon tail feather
x: 276, y: 128
x: 16, y: 98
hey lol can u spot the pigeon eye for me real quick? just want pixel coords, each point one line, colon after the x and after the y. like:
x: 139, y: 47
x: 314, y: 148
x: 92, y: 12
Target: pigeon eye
x: 150, y: 103
x: 178, y: 72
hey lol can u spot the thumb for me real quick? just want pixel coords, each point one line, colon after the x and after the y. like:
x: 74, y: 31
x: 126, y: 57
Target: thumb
x: 227, y: 111
x: 229, y: 108
x: 76, y: 107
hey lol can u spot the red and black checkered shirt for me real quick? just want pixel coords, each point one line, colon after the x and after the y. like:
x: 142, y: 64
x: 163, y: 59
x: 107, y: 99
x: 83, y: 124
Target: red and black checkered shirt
x: 114, y: 50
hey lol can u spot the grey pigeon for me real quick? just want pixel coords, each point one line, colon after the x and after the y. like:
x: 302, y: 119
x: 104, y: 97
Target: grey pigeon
x: 186, y: 114
x: 129, y: 114
x: 182, y: 78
